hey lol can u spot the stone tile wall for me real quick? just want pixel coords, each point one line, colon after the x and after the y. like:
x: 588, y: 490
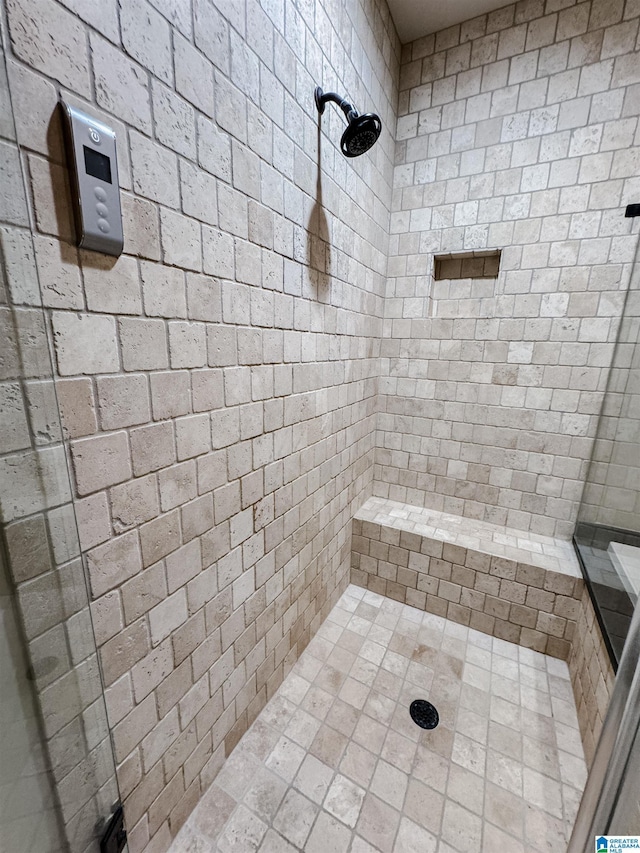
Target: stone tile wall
x: 218, y: 381
x: 592, y: 676
x: 517, y: 130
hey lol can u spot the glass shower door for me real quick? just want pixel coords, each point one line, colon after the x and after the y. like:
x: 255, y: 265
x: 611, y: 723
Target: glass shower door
x: 57, y: 771
x: 607, y: 539
x: 626, y: 817
x: 610, y: 803
x: 607, y: 535
x: 28, y: 810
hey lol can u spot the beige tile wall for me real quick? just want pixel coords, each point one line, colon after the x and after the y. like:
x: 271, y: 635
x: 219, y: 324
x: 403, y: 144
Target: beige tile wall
x: 592, y: 676
x: 218, y: 381
x: 518, y: 131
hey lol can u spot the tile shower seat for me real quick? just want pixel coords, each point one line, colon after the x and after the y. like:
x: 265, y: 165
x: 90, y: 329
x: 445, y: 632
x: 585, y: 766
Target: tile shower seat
x: 518, y: 586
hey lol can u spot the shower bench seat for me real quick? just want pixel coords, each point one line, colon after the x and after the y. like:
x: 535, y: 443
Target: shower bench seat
x: 518, y: 586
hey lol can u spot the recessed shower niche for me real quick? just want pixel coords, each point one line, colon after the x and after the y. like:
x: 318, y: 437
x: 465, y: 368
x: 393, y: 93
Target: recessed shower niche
x: 463, y: 265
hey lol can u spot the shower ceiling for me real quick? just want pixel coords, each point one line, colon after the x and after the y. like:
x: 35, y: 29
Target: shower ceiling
x: 417, y: 18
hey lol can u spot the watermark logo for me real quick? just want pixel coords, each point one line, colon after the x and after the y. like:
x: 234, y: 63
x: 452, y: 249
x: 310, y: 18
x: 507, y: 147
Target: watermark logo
x: 617, y: 843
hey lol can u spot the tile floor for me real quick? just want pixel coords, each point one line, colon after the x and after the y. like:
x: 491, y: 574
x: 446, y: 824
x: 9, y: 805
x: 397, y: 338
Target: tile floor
x: 334, y: 763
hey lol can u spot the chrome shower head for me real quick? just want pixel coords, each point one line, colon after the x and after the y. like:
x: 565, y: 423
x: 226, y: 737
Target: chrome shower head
x: 362, y: 131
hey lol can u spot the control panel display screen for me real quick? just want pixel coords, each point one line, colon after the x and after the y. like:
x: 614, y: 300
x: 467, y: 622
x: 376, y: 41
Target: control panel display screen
x: 97, y: 165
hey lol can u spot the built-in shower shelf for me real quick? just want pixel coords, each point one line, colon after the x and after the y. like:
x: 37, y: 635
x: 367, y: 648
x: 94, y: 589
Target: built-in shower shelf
x: 464, y: 265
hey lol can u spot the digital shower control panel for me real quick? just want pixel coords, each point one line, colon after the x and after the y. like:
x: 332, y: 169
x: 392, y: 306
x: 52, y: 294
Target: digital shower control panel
x: 94, y: 179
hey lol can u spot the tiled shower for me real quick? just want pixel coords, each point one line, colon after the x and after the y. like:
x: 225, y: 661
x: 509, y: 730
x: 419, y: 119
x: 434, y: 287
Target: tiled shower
x: 316, y: 443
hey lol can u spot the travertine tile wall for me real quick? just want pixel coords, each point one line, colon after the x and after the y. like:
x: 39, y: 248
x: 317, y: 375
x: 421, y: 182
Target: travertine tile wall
x: 69, y: 748
x: 592, y: 676
x: 218, y: 381
x: 517, y: 131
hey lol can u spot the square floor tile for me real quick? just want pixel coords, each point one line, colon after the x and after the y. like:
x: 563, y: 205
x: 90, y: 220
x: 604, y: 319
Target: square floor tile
x: 212, y: 812
x: 412, y: 838
x: 424, y: 806
x: 260, y: 739
x: 344, y: 800
x: 313, y: 778
x: 466, y: 788
x: 294, y: 688
x: 317, y: 702
x: 543, y: 792
x: 243, y: 832
x: 541, y: 756
x: 285, y: 758
x: 390, y: 784
x: 370, y: 733
x: 295, y: 818
x: 379, y: 707
x: 495, y: 839
x: 431, y: 768
x: 273, y: 842
x: 504, y: 809
x: 328, y: 836
x: 378, y: 824
x: 238, y: 772
x: 328, y: 746
x: 358, y: 764
x: 461, y: 828
x: 469, y: 754
x: 351, y: 641
x: 342, y: 717
x: 335, y: 764
x: 472, y: 725
x: 504, y: 771
x: 302, y: 728
x: 330, y: 679
x: 399, y: 751
x: 506, y: 740
x: 265, y: 794
x: 544, y: 832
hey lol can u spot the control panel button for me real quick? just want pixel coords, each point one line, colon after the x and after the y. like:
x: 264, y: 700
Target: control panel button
x: 104, y: 226
x: 94, y: 136
x: 100, y: 194
x: 102, y: 209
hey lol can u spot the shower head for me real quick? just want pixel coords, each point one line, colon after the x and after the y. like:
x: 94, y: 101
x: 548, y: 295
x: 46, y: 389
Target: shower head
x: 362, y: 131
x: 360, y: 135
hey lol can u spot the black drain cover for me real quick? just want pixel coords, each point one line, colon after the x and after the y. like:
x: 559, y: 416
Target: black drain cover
x: 424, y: 714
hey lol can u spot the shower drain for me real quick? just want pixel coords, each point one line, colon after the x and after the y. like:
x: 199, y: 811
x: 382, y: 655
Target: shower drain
x: 424, y: 714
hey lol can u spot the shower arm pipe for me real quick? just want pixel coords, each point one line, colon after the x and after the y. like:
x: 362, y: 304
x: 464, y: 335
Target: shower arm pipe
x: 323, y: 97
